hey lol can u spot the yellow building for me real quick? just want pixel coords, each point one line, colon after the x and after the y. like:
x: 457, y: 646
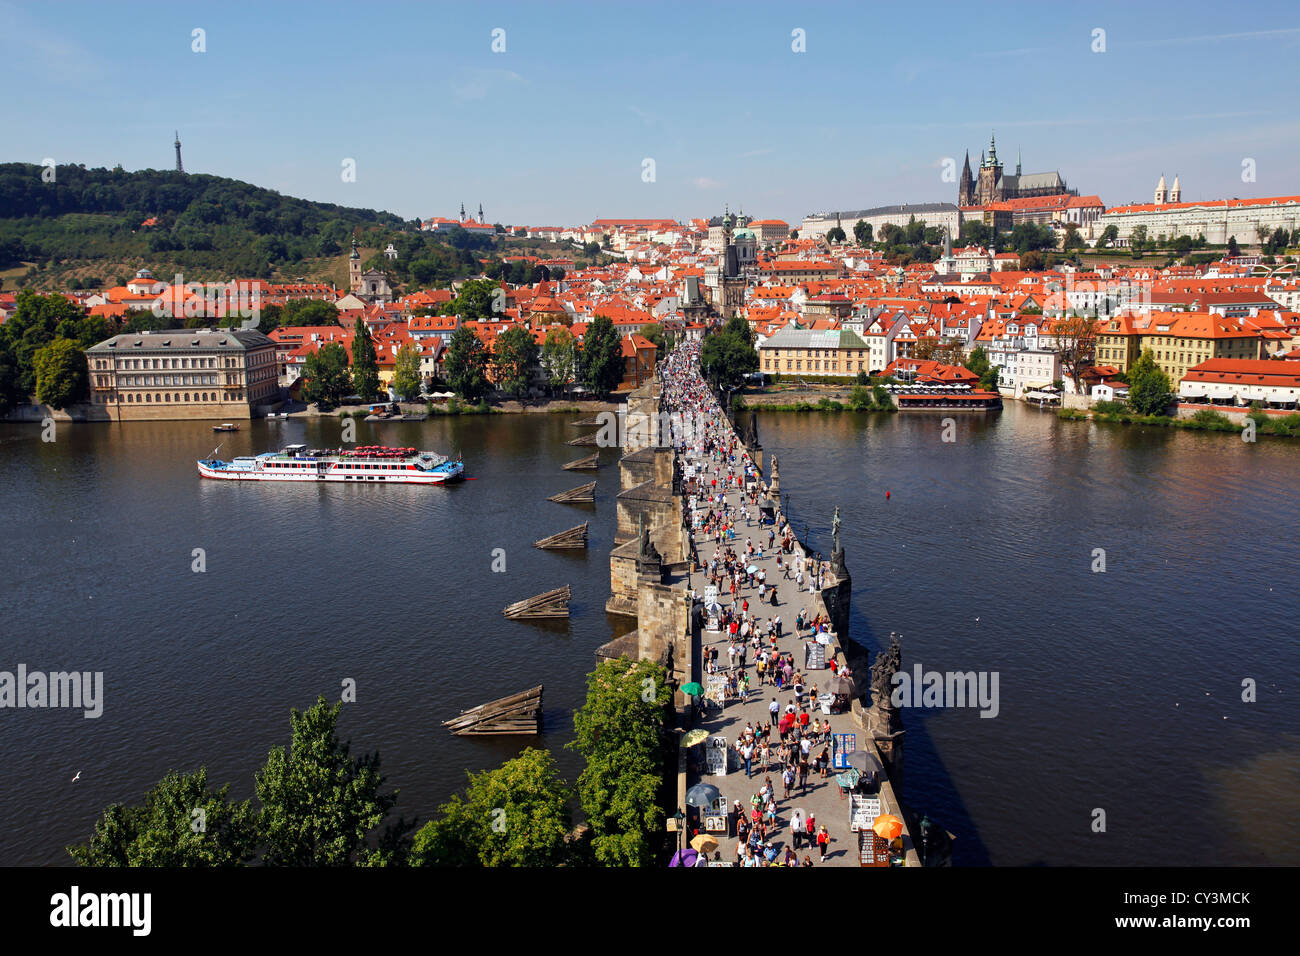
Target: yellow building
x: 803, y: 352
x: 1178, y: 341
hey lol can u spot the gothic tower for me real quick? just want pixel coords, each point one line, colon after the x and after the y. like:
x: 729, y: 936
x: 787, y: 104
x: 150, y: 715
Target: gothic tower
x: 966, y: 186
x: 990, y: 174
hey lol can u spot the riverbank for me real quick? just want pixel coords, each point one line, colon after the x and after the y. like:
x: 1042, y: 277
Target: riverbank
x: 813, y: 399
x: 1202, y: 420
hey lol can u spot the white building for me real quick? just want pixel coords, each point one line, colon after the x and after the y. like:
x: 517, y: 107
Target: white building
x: 931, y: 213
x: 1216, y: 219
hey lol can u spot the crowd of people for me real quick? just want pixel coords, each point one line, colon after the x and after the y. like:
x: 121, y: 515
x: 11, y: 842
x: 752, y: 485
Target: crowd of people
x: 795, y: 742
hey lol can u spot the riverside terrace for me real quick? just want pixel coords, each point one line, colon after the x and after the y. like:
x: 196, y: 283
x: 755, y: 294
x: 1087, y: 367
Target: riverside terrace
x: 657, y: 487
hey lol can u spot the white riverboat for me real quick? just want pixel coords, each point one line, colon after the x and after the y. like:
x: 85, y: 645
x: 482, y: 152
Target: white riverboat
x: 371, y: 463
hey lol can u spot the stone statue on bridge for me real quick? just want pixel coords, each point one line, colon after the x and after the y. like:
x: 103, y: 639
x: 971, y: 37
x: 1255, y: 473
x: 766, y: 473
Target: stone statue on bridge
x: 888, y: 663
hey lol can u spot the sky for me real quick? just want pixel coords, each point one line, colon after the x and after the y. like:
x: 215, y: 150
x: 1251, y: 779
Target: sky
x: 555, y: 126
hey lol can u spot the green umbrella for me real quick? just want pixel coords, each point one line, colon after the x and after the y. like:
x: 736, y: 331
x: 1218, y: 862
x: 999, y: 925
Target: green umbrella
x: 696, y: 736
x: 693, y: 689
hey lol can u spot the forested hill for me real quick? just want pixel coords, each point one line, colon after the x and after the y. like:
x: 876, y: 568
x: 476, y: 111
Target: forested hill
x: 94, y: 219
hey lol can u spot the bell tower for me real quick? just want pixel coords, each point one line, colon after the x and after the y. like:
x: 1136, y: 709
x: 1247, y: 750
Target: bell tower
x: 354, y: 269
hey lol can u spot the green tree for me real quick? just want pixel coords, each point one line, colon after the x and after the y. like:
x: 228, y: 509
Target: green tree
x: 835, y: 235
x: 655, y: 333
x: 319, y: 803
x: 478, y: 299
x: 1072, y: 238
x: 620, y: 730
x: 466, y: 365
x: 515, y: 358
x: 560, y: 358
x: 1233, y: 249
x: 602, y: 356
x: 860, y: 398
x: 11, y: 390
x: 727, y: 355
x: 181, y: 823
x: 365, y: 363
x: 299, y: 312
x: 515, y: 815
x: 406, y: 372
x: 36, y: 322
x: 62, y: 376
x: 862, y: 232
x: 325, y: 374
x: 1108, y: 236
x: 1149, y: 389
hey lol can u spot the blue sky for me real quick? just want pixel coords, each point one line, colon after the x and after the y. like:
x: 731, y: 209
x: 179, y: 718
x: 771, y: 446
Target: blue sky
x: 555, y: 129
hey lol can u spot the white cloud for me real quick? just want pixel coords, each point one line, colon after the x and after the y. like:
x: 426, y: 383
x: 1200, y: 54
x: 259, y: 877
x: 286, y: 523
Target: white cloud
x: 704, y: 182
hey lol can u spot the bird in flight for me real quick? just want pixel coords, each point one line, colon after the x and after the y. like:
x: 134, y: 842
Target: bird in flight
x: 77, y: 777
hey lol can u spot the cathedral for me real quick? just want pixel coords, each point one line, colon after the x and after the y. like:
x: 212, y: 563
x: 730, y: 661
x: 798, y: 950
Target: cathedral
x: 993, y: 185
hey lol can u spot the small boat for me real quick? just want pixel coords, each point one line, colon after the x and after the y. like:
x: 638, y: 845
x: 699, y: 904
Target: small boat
x: 277, y: 415
x: 226, y: 427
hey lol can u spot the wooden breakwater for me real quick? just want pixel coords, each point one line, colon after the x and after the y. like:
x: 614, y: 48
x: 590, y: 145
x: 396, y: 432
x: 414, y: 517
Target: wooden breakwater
x: 519, y: 713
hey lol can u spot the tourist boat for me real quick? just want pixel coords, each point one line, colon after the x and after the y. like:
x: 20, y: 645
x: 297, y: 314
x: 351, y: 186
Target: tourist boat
x: 226, y: 427
x: 368, y: 463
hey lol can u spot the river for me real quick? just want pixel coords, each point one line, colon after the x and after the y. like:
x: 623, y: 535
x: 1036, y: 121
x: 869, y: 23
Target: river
x: 1118, y: 691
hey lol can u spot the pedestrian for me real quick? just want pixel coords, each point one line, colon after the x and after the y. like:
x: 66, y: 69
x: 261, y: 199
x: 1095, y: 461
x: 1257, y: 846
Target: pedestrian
x: 773, y: 709
x: 823, y: 839
x: 803, y: 772
x: 796, y: 828
x: 787, y: 781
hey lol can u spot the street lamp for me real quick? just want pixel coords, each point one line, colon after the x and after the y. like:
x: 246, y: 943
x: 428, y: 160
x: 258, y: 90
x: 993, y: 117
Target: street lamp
x: 680, y: 818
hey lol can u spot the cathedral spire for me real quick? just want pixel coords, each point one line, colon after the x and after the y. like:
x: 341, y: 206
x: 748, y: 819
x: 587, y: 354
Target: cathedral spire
x: 1017, y: 162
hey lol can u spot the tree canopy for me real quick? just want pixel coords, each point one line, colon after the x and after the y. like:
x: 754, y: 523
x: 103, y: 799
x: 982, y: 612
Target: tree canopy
x: 727, y: 355
x: 1149, y: 388
x: 319, y: 803
x: 515, y: 815
x: 515, y: 357
x: 365, y: 363
x: 620, y: 731
x: 602, y: 356
x: 466, y: 365
x: 326, y: 376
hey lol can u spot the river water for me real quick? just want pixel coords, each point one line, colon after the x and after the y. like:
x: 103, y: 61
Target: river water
x: 1118, y: 691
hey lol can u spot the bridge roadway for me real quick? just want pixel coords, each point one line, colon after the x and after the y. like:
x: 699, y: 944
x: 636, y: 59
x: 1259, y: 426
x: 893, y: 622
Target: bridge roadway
x: 822, y: 797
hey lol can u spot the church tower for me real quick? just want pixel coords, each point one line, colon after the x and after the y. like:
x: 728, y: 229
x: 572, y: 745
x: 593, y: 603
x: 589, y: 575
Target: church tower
x: 990, y: 176
x: 354, y: 269
x: 462, y: 212
x: 1162, y: 194
x: 966, y: 186
x: 480, y: 214
x: 1176, y: 194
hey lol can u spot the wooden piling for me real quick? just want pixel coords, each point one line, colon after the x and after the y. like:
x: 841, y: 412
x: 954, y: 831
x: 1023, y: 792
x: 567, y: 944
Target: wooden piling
x: 574, y: 539
x: 590, y: 463
x: 550, y: 604
x: 517, y: 714
x: 583, y: 494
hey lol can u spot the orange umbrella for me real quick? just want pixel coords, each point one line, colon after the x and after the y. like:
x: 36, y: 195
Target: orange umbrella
x: 887, y: 826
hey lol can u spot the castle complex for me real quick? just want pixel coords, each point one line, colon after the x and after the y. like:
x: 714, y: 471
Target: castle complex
x: 993, y: 185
